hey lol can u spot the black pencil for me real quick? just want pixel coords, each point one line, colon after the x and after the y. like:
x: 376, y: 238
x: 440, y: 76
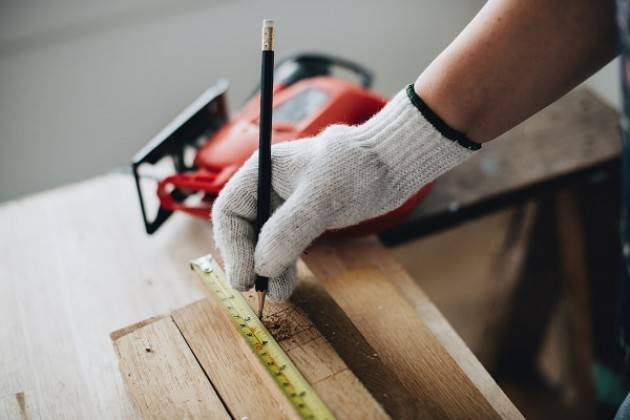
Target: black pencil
x: 264, y: 146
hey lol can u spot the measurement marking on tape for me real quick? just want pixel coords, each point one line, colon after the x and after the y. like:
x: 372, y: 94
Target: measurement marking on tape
x: 298, y: 391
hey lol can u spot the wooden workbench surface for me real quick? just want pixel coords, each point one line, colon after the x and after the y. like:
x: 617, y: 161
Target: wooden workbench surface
x: 76, y: 265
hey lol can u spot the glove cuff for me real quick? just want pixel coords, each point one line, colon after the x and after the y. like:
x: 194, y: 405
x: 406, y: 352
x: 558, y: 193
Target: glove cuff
x: 413, y: 142
x: 438, y: 123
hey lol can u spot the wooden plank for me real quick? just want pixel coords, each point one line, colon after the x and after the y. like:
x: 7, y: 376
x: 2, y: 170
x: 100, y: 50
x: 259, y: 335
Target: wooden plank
x: 433, y: 386
x: 324, y: 368
x: 231, y: 367
x: 249, y: 391
x: 332, y: 354
x: 163, y: 377
x: 348, y: 343
x: 518, y: 343
x: 369, y: 286
x: 504, y: 274
x: 575, y: 281
x: 115, y: 335
x: 374, y: 253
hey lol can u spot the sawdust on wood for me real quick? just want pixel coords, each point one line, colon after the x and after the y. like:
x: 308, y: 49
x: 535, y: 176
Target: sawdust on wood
x: 280, y: 318
x: 281, y: 325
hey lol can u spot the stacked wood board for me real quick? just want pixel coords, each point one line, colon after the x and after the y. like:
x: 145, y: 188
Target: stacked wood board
x: 358, y: 328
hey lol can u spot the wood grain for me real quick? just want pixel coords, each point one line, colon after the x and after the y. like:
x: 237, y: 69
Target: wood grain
x: 397, y: 319
x: 76, y: 265
x: 246, y: 388
x: 427, y: 313
x: 353, y: 348
x: 230, y: 366
x: 321, y: 365
x: 163, y: 377
x: 115, y: 335
x: 297, y: 325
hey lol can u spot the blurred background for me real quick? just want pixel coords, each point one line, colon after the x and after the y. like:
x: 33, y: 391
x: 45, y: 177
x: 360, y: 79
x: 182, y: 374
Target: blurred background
x: 84, y: 84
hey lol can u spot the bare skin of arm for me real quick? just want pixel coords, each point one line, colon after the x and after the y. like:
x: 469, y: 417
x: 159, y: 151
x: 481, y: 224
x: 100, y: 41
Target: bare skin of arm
x: 513, y: 59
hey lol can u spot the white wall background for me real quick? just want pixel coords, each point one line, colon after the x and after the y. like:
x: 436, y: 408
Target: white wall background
x: 85, y: 83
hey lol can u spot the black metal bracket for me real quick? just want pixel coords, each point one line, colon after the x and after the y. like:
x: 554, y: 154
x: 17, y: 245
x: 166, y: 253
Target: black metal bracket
x: 204, y: 116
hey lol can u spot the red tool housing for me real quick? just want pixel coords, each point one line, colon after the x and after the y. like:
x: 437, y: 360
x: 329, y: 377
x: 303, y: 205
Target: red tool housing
x: 302, y: 108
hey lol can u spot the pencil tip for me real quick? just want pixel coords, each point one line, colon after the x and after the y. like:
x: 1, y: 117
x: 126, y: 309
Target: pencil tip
x: 261, y: 303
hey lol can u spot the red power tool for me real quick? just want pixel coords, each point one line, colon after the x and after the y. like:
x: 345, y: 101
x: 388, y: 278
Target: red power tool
x: 202, y: 148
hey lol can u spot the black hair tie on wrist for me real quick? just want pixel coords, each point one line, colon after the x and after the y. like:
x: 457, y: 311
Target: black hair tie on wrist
x: 437, y: 122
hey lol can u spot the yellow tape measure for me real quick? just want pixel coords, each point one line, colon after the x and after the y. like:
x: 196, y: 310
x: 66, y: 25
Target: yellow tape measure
x: 291, y: 382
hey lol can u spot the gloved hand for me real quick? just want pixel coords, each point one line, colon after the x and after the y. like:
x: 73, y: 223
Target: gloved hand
x: 342, y: 176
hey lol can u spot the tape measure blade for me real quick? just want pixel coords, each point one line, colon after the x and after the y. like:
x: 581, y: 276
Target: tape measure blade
x: 275, y: 361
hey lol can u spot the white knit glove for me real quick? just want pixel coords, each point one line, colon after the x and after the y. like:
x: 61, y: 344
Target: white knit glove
x: 342, y: 176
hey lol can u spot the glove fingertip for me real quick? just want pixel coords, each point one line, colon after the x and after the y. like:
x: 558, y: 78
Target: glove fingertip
x: 241, y: 280
x: 281, y: 287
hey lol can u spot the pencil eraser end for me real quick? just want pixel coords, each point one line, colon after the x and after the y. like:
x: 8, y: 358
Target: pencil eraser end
x: 268, y: 36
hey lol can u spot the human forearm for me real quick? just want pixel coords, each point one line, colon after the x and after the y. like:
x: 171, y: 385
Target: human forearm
x: 513, y: 59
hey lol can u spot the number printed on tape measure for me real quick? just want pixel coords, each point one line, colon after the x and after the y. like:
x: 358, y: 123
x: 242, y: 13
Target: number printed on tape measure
x: 306, y: 402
